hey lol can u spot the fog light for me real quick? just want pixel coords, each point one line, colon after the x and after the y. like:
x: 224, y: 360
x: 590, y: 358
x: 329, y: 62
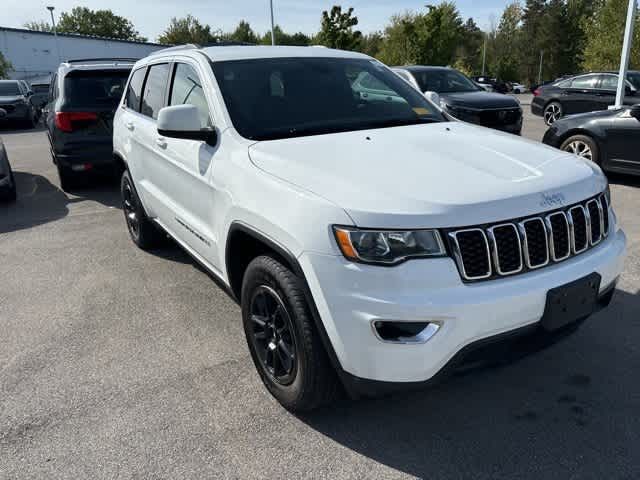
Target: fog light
x: 404, y: 332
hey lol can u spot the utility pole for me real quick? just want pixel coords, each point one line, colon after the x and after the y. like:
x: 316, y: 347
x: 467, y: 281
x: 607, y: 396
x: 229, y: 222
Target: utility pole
x: 55, y: 31
x: 484, y: 55
x: 540, y: 70
x: 273, y: 33
x: 626, y: 53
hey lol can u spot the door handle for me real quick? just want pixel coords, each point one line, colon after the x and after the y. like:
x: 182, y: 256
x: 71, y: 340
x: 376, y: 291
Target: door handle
x: 161, y: 142
x: 129, y: 126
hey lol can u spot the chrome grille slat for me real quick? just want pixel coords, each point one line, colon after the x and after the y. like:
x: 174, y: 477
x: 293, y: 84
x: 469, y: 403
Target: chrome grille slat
x: 527, y: 248
x: 511, y: 247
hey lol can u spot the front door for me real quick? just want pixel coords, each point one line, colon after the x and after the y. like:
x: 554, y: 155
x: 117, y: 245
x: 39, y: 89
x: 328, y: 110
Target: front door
x: 186, y: 167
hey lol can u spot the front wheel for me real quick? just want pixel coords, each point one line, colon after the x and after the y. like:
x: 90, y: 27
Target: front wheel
x: 282, y: 338
x: 552, y: 113
x: 582, y: 146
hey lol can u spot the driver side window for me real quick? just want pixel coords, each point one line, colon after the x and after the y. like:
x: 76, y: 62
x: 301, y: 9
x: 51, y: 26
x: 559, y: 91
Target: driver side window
x: 187, y: 89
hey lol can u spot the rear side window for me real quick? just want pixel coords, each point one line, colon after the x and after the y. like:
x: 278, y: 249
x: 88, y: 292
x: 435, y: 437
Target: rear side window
x: 187, y: 90
x: 134, y: 89
x: 94, y: 88
x: 588, y: 81
x: 609, y: 82
x: 8, y: 89
x: 154, y: 90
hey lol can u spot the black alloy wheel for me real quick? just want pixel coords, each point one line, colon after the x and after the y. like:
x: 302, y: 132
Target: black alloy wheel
x: 272, y: 335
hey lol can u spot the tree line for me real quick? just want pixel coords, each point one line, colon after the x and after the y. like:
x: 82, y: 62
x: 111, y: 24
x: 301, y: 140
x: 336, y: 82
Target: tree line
x: 571, y: 36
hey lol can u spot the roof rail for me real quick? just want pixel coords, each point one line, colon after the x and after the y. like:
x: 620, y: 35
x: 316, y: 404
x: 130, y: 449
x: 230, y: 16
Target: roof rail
x: 229, y: 43
x: 84, y: 60
x: 186, y: 46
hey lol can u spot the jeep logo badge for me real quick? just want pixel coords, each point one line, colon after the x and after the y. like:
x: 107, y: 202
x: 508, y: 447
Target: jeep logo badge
x: 552, y: 200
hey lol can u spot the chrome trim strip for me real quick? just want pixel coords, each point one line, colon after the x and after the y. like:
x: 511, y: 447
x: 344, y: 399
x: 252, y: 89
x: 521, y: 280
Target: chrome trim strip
x: 458, y: 255
x: 552, y: 248
x: 494, y: 249
x: 605, y: 205
x: 593, y: 242
x: 525, y: 242
x: 421, y: 338
x: 572, y: 227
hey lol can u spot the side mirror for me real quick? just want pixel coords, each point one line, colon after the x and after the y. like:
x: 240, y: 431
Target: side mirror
x: 3, y: 113
x: 635, y: 112
x: 433, y: 97
x: 183, y: 121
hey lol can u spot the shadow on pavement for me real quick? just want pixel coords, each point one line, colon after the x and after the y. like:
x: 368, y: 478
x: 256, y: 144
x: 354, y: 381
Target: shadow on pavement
x: 39, y: 201
x: 557, y: 414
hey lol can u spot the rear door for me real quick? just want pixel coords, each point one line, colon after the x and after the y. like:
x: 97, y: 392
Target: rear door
x: 580, y: 96
x: 185, y: 166
x: 149, y: 157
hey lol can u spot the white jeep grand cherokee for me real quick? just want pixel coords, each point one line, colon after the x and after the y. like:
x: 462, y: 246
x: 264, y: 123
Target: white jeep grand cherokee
x: 371, y: 241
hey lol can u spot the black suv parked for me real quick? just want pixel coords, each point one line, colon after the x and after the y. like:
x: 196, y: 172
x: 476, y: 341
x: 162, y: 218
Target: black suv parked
x: 464, y: 100
x: 15, y: 100
x: 581, y: 94
x: 83, y: 97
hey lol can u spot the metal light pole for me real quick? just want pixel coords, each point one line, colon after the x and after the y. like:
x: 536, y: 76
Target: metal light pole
x: 55, y: 31
x: 626, y: 53
x: 273, y: 33
x: 484, y: 55
x: 540, y: 70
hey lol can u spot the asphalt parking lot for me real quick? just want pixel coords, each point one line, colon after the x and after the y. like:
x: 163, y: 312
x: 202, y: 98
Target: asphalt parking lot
x: 116, y: 363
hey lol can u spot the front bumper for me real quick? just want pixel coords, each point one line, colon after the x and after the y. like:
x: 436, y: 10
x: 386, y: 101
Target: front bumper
x: 349, y: 297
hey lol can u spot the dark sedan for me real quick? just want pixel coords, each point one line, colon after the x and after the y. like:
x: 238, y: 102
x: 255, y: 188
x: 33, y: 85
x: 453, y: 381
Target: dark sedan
x: 7, y: 182
x: 581, y: 94
x: 463, y: 99
x: 609, y: 138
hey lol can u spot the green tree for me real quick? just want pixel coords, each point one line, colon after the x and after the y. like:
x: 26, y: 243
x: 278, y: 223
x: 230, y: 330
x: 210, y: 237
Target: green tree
x: 243, y: 33
x: 371, y: 44
x: 533, y: 41
x: 506, y: 53
x: 430, y: 38
x: 5, y: 67
x: 99, y: 23
x: 39, y: 26
x: 605, y: 33
x: 336, y: 29
x: 187, y: 30
x: 282, y: 38
x: 469, y: 52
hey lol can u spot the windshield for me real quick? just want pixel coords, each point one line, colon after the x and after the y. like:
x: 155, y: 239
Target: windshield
x: 9, y: 89
x: 94, y: 87
x: 40, y: 88
x: 443, y: 81
x: 288, y: 97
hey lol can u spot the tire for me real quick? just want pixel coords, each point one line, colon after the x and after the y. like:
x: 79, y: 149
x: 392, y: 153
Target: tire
x: 582, y: 146
x: 69, y: 181
x: 552, y: 113
x: 310, y: 382
x: 11, y: 194
x: 142, y: 230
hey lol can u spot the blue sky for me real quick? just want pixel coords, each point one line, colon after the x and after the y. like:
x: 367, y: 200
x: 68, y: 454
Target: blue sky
x: 151, y: 16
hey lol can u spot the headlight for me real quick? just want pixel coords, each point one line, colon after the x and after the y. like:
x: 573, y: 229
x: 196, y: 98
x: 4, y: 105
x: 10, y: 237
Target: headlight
x: 388, y: 247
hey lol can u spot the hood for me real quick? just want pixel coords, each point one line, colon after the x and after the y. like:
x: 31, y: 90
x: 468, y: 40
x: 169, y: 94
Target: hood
x: 447, y: 174
x: 479, y: 100
x: 11, y: 99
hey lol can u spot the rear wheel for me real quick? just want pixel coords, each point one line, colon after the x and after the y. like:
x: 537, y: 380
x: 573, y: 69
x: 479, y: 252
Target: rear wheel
x: 582, y: 146
x: 68, y: 180
x: 552, y: 113
x: 282, y: 338
x: 142, y: 230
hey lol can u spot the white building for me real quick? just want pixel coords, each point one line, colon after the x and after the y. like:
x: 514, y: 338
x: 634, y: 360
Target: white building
x: 35, y: 55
